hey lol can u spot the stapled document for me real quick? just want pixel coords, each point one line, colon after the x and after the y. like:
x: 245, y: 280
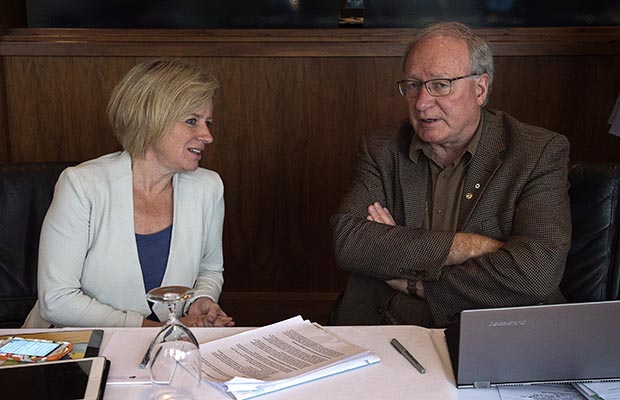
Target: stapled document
x: 278, y: 356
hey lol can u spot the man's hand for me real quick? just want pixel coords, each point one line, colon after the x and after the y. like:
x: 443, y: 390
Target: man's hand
x: 470, y: 245
x: 378, y: 213
x: 206, y: 311
x: 398, y: 284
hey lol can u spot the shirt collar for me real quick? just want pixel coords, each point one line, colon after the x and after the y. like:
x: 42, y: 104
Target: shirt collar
x: 419, y: 146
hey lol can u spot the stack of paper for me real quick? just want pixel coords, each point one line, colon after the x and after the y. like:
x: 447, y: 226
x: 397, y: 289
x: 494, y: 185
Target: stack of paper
x: 599, y: 390
x: 278, y: 356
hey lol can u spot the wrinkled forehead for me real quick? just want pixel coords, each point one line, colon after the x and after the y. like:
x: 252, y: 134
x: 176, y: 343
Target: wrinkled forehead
x: 438, y: 55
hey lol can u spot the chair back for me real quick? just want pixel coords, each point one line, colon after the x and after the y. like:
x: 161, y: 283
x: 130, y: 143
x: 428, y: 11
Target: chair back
x: 592, y: 268
x: 26, y: 191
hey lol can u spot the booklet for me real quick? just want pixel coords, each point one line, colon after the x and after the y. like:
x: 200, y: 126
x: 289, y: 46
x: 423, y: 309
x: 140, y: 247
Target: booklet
x: 278, y: 356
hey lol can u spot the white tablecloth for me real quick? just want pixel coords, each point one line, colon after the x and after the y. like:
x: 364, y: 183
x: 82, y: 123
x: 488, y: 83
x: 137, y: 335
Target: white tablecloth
x: 392, y: 378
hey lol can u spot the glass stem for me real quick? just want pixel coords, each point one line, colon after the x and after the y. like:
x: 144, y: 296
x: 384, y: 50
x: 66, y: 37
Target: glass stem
x: 172, y: 312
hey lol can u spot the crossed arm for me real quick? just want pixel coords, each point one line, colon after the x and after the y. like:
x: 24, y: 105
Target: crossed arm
x: 464, y: 246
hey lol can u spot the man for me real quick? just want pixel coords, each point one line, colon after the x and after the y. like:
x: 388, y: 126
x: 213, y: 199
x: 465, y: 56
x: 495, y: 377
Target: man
x: 458, y: 208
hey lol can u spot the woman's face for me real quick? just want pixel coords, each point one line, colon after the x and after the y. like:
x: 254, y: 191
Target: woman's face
x: 181, y: 148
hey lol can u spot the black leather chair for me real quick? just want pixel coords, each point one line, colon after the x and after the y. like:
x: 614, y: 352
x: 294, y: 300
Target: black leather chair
x: 26, y: 191
x: 593, y: 265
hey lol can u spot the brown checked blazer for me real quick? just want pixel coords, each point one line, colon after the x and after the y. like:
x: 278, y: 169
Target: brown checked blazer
x: 515, y: 191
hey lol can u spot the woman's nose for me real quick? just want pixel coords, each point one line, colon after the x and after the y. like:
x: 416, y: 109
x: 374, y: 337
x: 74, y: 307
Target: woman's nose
x: 205, y: 135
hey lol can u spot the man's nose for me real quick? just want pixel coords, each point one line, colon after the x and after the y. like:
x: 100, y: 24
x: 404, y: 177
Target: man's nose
x: 424, y: 99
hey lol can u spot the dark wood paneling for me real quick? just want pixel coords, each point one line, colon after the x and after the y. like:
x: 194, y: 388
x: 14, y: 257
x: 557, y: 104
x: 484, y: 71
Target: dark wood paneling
x: 288, y: 120
x: 4, y: 127
x: 294, y: 42
x: 12, y: 13
x: 262, y: 308
x: 285, y: 153
x: 57, y: 106
x: 567, y: 94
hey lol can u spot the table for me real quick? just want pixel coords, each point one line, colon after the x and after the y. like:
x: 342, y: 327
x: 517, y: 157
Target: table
x: 392, y: 378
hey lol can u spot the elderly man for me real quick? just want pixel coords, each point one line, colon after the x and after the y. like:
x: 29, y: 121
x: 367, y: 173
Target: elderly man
x: 460, y: 207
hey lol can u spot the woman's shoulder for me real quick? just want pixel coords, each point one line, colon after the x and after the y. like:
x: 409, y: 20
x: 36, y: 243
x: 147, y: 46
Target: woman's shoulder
x: 100, y: 172
x: 107, y: 167
x: 202, y: 177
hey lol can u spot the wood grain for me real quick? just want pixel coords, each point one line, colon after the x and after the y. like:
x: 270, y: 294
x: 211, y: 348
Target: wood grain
x: 12, y: 13
x: 5, y: 151
x: 263, y: 308
x: 356, y: 42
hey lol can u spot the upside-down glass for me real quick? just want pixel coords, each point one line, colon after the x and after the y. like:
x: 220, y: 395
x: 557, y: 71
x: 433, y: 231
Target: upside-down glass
x: 174, y: 356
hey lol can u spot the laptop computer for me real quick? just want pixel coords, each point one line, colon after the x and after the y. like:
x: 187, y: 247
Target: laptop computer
x: 559, y: 343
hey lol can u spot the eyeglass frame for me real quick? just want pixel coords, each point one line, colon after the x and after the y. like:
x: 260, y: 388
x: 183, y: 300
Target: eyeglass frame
x: 425, y: 84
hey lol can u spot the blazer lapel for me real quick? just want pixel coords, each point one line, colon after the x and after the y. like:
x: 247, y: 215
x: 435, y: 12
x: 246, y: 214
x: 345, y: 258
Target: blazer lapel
x: 414, y: 186
x: 486, y: 161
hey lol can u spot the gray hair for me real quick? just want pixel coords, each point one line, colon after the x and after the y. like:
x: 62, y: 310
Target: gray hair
x: 480, y: 53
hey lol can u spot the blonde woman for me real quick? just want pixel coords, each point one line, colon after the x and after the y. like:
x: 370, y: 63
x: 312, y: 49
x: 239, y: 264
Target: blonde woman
x: 140, y: 218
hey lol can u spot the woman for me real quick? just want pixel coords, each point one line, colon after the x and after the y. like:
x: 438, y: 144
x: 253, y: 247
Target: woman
x: 144, y: 217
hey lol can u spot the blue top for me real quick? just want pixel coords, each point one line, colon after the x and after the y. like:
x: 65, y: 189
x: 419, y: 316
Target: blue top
x: 153, y: 252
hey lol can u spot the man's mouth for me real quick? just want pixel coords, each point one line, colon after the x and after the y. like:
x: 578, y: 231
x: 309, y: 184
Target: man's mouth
x: 429, y: 120
x: 195, y: 151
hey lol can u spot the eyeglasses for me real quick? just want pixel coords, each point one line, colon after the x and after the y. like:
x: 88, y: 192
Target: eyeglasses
x: 435, y: 87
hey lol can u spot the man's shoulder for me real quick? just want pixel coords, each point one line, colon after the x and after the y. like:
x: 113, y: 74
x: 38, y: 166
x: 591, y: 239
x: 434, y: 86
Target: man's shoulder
x: 517, y: 132
x: 394, y: 136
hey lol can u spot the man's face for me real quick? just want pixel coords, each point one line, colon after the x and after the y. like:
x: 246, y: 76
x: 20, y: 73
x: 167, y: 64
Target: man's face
x: 450, y: 120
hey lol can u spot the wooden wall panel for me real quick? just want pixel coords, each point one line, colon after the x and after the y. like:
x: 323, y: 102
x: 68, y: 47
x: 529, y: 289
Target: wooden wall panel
x: 4, y: 123
x: 12, y: 13
x: 285, y: 154
x: 567, y: 94
x: 287, y: 125
x: 57, y: 106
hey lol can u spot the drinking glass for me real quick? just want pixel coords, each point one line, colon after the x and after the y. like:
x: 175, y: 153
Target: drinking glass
x: 174, y: 353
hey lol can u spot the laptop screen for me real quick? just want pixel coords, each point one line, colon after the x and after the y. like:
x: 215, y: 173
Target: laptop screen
x: 536, y: 344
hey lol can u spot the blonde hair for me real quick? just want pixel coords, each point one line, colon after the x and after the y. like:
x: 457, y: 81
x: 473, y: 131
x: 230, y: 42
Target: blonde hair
x: 154, y: 94
x: 480, y: 54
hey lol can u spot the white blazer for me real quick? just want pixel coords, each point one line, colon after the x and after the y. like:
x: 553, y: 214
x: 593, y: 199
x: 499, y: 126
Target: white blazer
x: 89, y: 272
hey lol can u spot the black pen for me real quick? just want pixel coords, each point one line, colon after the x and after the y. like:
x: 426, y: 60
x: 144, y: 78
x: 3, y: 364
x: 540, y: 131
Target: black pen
x: 402, y: 350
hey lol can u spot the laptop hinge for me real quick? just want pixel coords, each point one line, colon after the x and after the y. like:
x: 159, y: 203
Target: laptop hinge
x: 482, y: 385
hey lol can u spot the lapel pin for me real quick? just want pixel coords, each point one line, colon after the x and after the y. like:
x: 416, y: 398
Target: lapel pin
x: 469, y: 196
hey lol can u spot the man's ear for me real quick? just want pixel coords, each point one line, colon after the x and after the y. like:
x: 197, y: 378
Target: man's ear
x: 482, y: 88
